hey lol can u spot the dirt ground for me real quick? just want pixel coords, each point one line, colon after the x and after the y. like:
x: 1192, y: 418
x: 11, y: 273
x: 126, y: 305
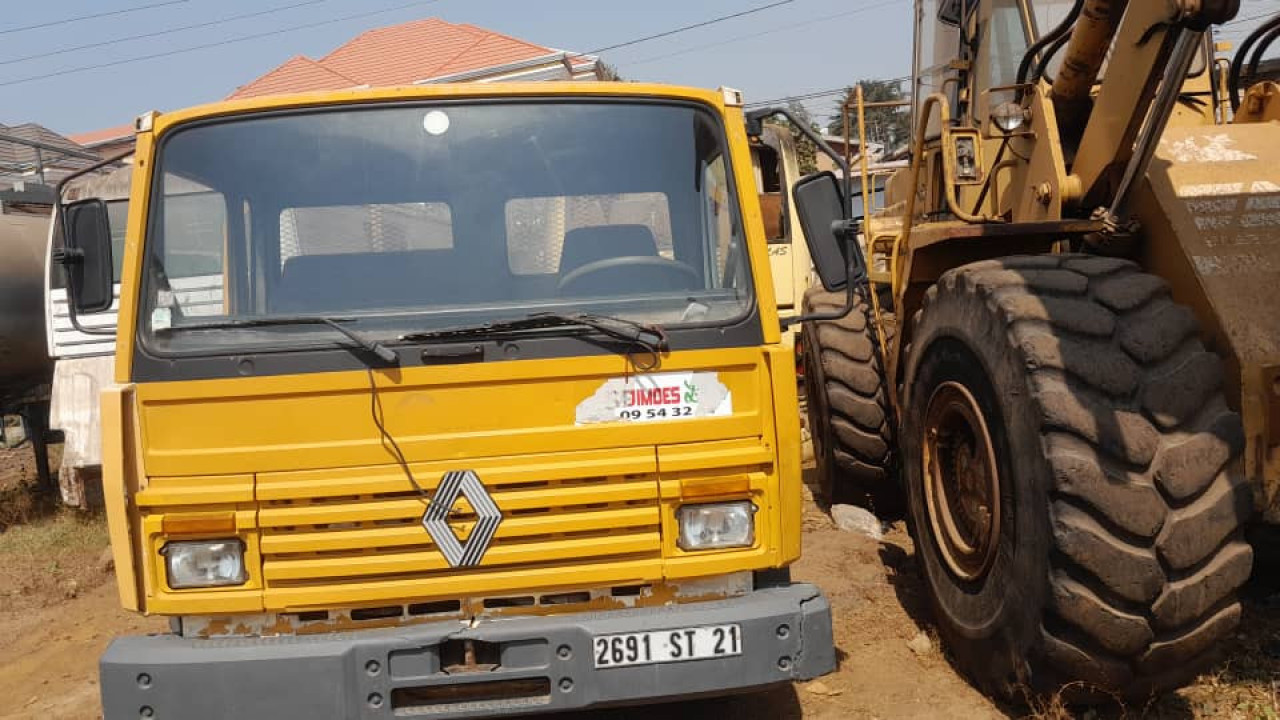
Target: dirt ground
x: 58, y: 610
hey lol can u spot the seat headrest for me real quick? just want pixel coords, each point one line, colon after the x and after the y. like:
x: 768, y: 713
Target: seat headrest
x: 600, y: 242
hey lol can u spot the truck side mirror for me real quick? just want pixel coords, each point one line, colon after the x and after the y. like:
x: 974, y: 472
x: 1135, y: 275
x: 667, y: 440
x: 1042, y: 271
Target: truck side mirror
x: 86, y: 255
x: 827, y: 231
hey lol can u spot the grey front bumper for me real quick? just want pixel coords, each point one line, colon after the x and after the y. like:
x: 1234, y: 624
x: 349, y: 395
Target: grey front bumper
x: 377, y: 673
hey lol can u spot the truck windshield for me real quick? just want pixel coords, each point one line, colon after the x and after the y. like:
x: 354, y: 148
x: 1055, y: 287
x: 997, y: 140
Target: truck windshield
x: 415, y: 218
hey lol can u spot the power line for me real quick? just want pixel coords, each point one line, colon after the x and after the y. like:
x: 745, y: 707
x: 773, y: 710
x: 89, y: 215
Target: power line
x: 770, y: 31
x: 685, y: 28
x: 205, y: 46
x: 80, y: 18
x: 819, y: 93
x: 166, y: 31
x: 255, y: 36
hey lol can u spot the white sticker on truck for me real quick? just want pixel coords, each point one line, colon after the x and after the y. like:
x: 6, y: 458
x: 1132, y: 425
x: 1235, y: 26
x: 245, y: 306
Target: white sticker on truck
x: 657, y: 396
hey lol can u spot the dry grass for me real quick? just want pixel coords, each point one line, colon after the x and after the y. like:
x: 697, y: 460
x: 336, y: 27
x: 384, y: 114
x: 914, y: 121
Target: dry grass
x: 51, y: 558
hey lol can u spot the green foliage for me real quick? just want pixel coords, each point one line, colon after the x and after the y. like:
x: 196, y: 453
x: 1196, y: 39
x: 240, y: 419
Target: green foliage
x: 889, y: 126
x: 608, y: 72
x: 806, y: 152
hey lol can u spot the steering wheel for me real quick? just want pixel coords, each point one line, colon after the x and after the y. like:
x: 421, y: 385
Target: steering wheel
x: 646, y: 273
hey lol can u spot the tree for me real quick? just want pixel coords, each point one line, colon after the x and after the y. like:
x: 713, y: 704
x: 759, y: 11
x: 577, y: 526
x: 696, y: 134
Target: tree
x: 806, y: 152
x: 605, y: 71
x: 889, y: 126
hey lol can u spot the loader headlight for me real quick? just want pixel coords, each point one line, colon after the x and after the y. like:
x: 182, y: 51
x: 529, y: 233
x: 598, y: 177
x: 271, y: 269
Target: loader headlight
x: 716, y: 525
x: 205, y: 563
x: 1009, y: 116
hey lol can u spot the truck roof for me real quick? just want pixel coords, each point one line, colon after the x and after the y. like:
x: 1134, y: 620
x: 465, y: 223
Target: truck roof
x: 159, y: 122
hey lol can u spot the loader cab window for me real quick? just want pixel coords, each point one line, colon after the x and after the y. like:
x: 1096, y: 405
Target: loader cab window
x: 408, y: 218
x: 936, y: 45
x: 1045, y: 16
x: 1004, y: 40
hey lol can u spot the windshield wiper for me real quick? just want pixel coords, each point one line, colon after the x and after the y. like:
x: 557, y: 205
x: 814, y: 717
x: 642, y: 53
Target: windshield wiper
x: 383, y: 353
x: 650, y: 338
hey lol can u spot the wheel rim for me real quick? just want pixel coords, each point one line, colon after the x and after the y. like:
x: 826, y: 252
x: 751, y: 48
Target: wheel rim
x: 961, y: 482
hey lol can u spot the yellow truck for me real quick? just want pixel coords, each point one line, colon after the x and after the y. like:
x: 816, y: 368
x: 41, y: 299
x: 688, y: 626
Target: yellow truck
x: 447, y: 400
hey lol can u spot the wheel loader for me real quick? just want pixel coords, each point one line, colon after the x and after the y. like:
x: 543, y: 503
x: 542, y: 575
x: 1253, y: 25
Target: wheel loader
x: 1075, y: 372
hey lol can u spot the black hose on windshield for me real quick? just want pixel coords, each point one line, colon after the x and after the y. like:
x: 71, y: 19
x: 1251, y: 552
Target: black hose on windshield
x: 1058, y: 33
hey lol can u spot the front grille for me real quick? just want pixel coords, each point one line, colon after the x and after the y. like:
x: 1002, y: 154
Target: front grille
x: 362, y: 546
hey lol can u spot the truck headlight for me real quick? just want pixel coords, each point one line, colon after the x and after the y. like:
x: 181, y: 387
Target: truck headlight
x: 717, y: 525
x: 205, y: 563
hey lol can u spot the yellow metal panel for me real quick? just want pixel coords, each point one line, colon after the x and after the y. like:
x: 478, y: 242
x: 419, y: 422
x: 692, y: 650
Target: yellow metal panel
x: 131, y: 268
x: 414, y: 534
x: 221, y: 489
x: 413, y: 507
x: 322, y: 420
x: 710, y: 487
x: 714, y: 562
x: 757, y: 243
x: 116, y: 411
x: 418, y: 562
x: 496, y: 471
x: 465, y: 583
x: 206, y: 602
x: 786, y: 415
x: 723, y: 454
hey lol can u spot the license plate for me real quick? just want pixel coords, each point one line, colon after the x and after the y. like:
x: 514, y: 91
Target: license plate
x: 665, y: 646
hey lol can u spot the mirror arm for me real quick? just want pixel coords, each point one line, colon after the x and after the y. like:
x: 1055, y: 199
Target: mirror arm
x: 755, y: 126
x: 847, y: 230
x: 66, y: 257
x: 857, y: 279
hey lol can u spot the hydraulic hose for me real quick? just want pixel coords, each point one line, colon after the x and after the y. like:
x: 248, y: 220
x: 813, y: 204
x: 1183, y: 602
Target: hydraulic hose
x: 1237, y: 63
x: 1044, y: 41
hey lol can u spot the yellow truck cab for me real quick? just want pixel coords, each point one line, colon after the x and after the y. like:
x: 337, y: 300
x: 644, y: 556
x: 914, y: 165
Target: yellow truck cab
x: 447, y: 400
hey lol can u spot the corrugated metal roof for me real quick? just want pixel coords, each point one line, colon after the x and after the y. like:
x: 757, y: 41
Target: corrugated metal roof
x: 15, y: 156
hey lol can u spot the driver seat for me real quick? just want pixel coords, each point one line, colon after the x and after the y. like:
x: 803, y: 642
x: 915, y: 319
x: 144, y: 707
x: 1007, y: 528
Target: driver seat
x: 640, y: 270
x: 594, y: 243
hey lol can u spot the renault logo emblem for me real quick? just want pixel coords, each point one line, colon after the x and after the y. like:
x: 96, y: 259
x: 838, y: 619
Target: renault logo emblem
x: 488, y: 517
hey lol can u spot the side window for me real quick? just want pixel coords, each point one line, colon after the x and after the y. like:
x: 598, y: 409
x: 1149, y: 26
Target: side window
x: 376, y: 228
x: 537, y: 229
x: 117, y: 218
x: 769, y: 182
x: 195, y: 232
x: 718, y: 225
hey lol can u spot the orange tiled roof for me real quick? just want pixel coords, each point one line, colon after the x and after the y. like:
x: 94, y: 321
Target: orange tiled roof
x: 398, y: 55
x: 94, y: 137
x: 297, y: 74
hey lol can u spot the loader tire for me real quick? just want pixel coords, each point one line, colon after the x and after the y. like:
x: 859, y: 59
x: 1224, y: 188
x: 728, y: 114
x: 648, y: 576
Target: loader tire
x: 1074, y: 478
x: 850, y: 421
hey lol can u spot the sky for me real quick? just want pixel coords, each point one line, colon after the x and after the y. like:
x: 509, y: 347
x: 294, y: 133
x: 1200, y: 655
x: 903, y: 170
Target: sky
x: 794, y: 48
